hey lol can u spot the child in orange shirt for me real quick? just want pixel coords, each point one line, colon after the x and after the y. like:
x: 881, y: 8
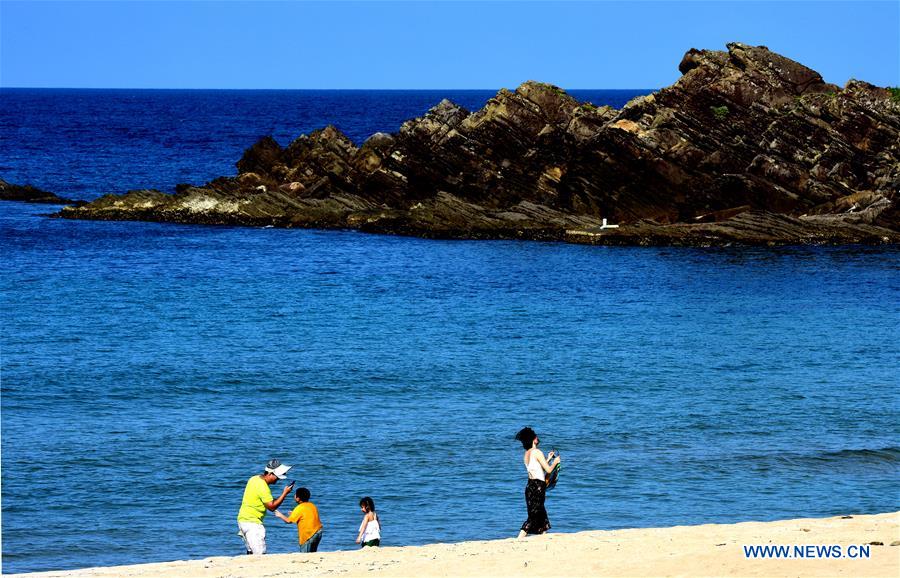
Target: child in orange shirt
x: 306, y: 516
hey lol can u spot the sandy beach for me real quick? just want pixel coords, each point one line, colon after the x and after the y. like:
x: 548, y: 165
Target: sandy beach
x: 705, y: 550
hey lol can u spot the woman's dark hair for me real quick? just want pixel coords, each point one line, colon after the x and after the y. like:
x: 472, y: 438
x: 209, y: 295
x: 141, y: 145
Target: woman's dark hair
x: 302, y: 494
x: 367, y: 503
x: 526, y: 435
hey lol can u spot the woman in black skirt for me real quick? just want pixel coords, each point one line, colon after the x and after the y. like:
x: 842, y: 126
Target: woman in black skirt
x: 536, y: 490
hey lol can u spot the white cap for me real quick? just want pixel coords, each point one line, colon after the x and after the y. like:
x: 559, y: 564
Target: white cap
x: 277, y: 468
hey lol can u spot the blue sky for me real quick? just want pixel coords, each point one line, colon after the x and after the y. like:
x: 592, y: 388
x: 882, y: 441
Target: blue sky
x: 468, y: 44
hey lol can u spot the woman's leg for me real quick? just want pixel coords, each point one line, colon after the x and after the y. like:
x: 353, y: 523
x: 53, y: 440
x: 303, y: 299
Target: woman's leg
x: 535, y: 493
x: 525, y: 525
x: 544, y: 523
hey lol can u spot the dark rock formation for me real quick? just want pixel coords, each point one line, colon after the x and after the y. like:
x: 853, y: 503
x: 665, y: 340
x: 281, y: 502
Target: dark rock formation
x: 746, y: 228
x: 747, y: 147
x: 29, y: 194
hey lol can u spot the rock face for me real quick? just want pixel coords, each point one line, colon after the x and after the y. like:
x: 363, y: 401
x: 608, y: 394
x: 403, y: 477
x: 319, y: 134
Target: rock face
x: 29, y: 194
x: 748, y: 146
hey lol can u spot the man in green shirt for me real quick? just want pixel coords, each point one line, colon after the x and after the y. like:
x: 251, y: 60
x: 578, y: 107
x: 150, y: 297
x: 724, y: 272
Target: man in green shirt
x: 258, y: 499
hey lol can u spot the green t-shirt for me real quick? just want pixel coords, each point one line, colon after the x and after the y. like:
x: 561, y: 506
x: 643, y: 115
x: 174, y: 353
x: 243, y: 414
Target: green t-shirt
x: 256, y: 494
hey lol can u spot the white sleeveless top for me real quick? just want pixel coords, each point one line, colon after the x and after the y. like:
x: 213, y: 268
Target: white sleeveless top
x: 372, y: 531
x: 535, y: 471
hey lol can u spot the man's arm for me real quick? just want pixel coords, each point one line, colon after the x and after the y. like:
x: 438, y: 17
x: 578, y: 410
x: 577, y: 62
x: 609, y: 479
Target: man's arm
x: 273, y: 505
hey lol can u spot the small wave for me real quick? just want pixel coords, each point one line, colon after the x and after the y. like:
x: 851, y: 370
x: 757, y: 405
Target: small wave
x: 887, y: 455
x: 852, y: 458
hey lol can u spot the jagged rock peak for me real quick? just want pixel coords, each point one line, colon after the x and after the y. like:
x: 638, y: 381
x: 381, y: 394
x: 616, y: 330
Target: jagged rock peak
x: 748, y: 74
x: 448, y: 112
x: 329, y: 139
x: 694, y: 58
x: 330, y: 132
x: 554, y: 102
x: 260, y: 156
x: 777, y: 69
x: 379, y: 140
x: 534, y: 89
x: 532, y: 106
x: 439, y: 120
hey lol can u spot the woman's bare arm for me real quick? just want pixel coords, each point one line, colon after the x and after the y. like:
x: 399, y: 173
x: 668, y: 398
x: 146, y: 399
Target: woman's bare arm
x: 548, y: 467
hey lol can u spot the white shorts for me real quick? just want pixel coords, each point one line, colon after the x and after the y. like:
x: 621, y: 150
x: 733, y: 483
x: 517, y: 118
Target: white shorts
x: 254, y: 536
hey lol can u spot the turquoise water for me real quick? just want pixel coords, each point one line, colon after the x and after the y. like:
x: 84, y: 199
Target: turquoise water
x: 148, y: 370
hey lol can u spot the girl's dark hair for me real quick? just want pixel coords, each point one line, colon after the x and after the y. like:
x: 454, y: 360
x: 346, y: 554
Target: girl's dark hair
x: 526, y: 435
x: 302, y: 494
x: 367, y: 503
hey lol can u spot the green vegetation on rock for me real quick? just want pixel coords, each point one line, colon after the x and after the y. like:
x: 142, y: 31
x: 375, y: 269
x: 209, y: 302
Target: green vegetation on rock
x: 720, y: 112
x: 554, y: 89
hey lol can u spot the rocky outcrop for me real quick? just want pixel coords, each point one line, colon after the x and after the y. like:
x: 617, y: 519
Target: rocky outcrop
x: 30, y: 194
x: 747, y: 228
x: 748, y: 146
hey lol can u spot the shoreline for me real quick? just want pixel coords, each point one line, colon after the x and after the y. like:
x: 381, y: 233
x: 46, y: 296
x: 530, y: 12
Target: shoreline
x: 702, y: 550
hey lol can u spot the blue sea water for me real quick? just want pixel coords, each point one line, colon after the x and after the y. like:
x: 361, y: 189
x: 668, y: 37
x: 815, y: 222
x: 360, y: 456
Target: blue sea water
x: 149, y: 369
x: 87, y: 143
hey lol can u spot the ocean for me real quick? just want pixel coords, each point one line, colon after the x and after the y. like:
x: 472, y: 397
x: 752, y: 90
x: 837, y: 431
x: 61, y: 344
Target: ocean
x: 148, y: 370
